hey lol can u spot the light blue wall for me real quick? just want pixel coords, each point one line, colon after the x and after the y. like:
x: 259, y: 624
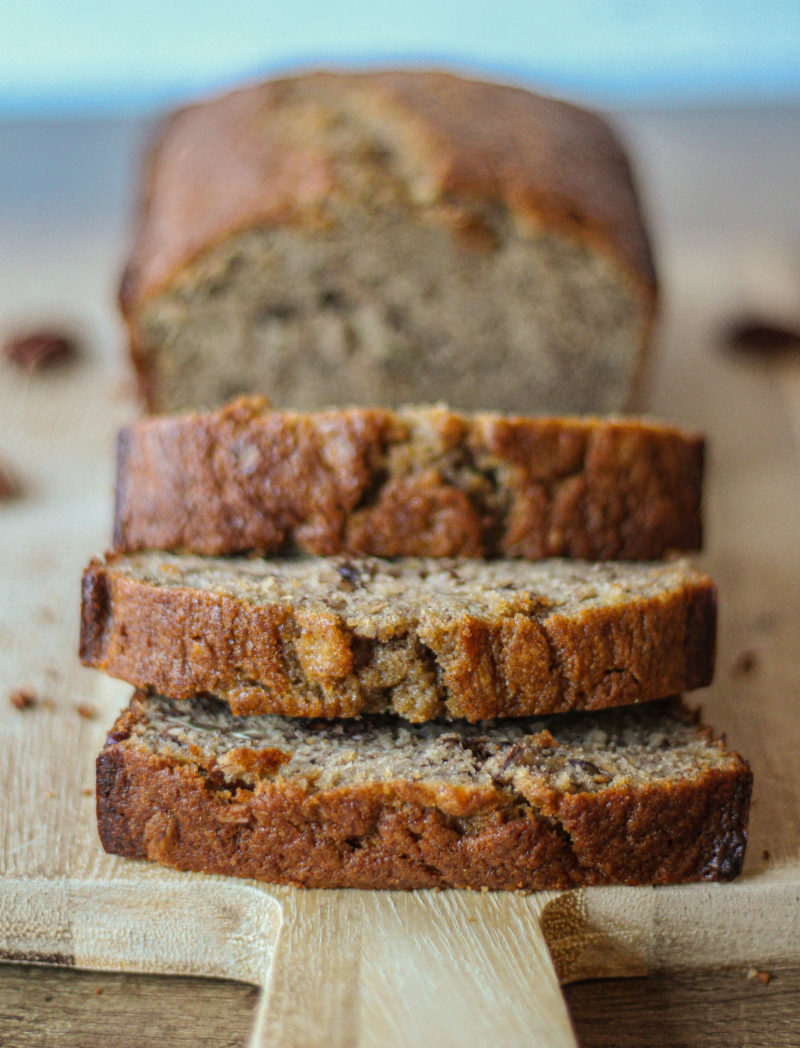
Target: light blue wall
x: 110, y: 55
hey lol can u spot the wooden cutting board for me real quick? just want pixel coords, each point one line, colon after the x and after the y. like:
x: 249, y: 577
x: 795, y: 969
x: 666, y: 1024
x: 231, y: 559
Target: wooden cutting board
x: 361, y: 968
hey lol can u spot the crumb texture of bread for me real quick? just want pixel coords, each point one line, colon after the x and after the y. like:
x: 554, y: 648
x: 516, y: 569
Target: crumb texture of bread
x: 378, y: 238
x: 641, y: 795
x: 424, y: 638
x: 422, y: 481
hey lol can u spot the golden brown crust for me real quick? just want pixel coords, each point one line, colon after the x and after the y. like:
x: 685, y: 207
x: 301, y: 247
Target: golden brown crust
x: 382, y: 835
x: 227, y: 165
x: 275, y: 657
x: 420, y: 482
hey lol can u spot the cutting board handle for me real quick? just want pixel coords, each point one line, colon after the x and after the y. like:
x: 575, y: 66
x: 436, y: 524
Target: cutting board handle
x: 422, y: 970
x: 339, y: 969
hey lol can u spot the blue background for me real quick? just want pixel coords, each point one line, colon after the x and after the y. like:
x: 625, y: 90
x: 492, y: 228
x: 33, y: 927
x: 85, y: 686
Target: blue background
x: 102, y: 56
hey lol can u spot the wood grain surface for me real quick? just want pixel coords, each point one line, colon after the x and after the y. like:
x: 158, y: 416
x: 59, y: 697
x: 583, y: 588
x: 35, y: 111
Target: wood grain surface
x: 722, y: 196
x: 41, y: 1007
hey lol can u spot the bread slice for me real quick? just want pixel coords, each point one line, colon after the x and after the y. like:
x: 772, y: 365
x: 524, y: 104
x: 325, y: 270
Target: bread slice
x: 334, y: 637
x: 388, y: 237
x: 635, y: 796
x: 417, y: 482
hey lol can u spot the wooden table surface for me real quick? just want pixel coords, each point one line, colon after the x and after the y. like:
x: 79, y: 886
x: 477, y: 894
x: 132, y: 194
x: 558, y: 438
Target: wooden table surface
x: 703, y: 172
x: 45, y: 1007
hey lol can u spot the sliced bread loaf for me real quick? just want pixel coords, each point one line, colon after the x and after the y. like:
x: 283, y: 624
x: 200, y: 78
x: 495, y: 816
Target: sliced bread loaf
x: 418, y: 482
x: 385, y: 238
x: 333, y: 637
x: 635, y: 796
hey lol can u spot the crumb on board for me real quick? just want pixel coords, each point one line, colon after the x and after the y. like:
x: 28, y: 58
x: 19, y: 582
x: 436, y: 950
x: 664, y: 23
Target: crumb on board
x: 87, y: 791
x: 759, y: 974
x: 761, y: 336
x: 85, y: 710
x: 22, y: 698
x: 98, y: 990
x: 745, y: 664
x: 33, y: 351
x: 49, y: 794
x: 8, y: 484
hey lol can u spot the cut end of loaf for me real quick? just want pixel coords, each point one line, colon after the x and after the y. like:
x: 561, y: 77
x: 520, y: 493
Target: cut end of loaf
x: 387, y: 238
x: 533, y: 324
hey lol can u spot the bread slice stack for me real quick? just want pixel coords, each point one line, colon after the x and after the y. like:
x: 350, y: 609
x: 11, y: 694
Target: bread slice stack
x: 410, y: 649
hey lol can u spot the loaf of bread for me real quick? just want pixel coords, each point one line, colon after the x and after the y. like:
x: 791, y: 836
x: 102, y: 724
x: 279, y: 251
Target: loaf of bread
x: 332, y: 637
x: 386, y: 238
x: 417, y: 482
x: 640, y: 795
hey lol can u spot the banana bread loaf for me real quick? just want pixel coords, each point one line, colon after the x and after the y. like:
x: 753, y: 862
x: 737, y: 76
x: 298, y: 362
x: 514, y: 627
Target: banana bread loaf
x: 387, y: 238
x: 635, y: 796
x: 332, y: 637
x: 418, y: 482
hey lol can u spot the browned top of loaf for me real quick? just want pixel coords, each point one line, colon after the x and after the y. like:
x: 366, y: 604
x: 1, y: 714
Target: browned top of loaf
x: 416, y: 482
x: 237, y: 161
